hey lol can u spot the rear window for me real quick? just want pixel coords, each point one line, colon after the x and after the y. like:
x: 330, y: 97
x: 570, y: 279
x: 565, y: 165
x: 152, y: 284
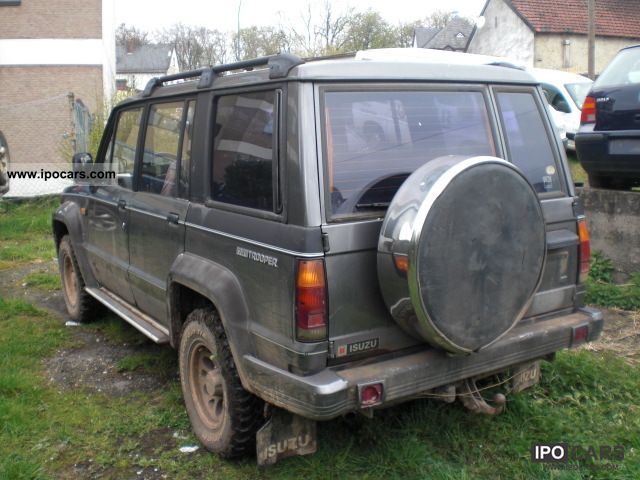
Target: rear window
x: 624, y: 69
x: 527, y: 140
x: 374, y: 140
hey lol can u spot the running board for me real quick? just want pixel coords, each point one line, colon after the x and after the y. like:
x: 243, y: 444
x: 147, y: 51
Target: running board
x: 132, y: 315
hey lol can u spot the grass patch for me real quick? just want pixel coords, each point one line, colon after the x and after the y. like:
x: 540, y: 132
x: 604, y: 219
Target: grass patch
x: 156, y: 362
x: 584, y: 399
x: 602, y: 291
x: 43, y: 281
x: 25, y: 231
x: 577, y: 172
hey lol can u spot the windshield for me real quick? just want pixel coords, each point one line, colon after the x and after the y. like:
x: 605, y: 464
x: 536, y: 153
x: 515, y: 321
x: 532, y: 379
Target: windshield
x: 375, y: 139
x: 624, y: 69
x: 578, y: 92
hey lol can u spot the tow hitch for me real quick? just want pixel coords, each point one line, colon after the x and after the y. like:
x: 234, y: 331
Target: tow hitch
x: 472, y: 399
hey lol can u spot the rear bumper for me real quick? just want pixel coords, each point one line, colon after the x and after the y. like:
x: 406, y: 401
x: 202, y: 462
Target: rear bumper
x: 609, y: 153
x: 333, y: 391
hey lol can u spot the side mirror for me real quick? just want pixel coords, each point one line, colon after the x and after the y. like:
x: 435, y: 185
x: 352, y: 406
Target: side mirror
x: 81, y: 161
x: 561, y: 105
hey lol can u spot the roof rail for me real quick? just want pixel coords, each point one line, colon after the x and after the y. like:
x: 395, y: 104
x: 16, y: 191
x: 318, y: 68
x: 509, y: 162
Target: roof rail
x: 279, y: 67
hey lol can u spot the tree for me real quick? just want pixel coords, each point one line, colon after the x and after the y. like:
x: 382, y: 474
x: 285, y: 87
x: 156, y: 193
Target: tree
x: 259, y: 41
x: 195, y: 46
x: 404, y: 34
x: 369, y: 30
x: 438, y: 19
x: 130, y: 37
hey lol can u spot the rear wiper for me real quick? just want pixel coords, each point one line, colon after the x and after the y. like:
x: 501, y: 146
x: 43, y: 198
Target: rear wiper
x: 372, y: 205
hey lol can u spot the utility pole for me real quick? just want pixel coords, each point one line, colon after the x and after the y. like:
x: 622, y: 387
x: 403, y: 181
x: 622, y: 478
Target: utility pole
x: 591, y: 38
x: 238, y: 33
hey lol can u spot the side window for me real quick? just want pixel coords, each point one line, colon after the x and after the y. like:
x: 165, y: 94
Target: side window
x: 528, y: 143
x: 124, y: 148
x: 243, y: 151
x: 185, y: 158
x: 161, y: 149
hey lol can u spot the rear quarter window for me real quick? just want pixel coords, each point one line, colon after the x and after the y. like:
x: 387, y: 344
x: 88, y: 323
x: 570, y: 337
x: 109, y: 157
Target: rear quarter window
x: 528, y: 143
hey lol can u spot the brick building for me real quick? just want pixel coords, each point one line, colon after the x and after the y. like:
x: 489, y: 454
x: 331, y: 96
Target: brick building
x: 57, y: 63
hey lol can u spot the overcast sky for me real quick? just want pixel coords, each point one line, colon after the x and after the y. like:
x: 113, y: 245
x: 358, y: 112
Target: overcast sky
x: 222, y: 15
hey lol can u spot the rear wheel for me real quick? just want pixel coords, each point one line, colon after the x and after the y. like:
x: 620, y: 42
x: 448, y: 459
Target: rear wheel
x: 224, y: 416
x: 80, y: 305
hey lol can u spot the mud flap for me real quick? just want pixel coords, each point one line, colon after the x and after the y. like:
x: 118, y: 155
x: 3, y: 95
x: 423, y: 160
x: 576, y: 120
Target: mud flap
x: 285, y: 435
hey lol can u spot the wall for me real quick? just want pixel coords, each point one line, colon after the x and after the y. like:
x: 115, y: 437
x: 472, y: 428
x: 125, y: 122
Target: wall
x: 549, y: 53
x: 511, y: 38
x: 35, y: 110
x: 52, y: 19
x: 614, y: 224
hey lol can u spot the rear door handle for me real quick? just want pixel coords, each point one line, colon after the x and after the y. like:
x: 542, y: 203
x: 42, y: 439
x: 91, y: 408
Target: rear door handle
x: 173, y: 218
x: 122, y: 204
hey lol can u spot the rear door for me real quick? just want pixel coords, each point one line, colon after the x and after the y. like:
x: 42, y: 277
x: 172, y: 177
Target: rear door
x: 373, y: 138
x: 159, y: 207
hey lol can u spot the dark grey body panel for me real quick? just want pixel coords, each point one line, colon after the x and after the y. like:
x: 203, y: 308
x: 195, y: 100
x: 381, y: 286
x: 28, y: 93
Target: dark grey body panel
x: 156, y: 238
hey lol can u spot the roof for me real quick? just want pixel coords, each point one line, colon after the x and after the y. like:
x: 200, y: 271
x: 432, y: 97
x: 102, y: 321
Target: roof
x: 423, y: 35
x: 144, y: 59
x: 614, y: 18
x: 454, y: 36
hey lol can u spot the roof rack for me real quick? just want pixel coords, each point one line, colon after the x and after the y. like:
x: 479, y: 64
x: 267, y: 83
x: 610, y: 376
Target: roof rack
x: 279, y: 67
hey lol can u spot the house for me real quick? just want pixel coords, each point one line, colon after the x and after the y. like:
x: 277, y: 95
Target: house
x: 454, y: 36
x: 136, y: 66
x: 552, y: 34
x: 57, y: 62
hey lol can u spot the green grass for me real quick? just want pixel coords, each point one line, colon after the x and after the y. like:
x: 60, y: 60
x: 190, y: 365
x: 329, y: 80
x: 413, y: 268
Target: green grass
x: 43, y: 281
x: 25, y: 231
x: 602, y: 291
x: 577, y: 172
x: 584, y: 399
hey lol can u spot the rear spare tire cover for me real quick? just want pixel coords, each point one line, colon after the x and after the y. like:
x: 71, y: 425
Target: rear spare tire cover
x: 461, y: 251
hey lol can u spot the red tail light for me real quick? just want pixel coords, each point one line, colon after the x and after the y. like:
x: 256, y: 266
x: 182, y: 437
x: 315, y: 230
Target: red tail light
x: 311, y: 301
x: 585, y: 249
x: 588, y: 110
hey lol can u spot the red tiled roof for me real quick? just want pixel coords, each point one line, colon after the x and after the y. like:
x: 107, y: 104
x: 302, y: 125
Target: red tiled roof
x: 614, y: 18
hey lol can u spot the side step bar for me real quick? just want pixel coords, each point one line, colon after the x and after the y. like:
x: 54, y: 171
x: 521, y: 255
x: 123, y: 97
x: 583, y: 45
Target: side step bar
x: 132, y: 315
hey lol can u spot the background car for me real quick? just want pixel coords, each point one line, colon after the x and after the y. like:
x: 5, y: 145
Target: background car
x: 608, y: 142
x: 565, y: 93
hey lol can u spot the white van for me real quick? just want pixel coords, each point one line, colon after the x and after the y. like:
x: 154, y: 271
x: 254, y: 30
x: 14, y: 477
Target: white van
x: 566, y: 93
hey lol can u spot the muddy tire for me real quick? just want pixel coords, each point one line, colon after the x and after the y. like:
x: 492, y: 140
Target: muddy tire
x: 80, y: 305
x: 223, y: 415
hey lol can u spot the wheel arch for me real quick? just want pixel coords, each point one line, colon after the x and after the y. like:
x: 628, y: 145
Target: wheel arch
x: 66, y: 220
x: 186, y: 291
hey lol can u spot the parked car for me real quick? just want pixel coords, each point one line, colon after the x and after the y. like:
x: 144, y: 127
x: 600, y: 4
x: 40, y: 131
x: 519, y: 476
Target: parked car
x: 608, y: 142
x: 565, y: 93
x: 4, y: 165
x: 298, y: 261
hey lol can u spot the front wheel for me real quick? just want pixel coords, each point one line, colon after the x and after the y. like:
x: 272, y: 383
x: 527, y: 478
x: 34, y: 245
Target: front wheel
x: 81, y: 306
x: 224, y: 416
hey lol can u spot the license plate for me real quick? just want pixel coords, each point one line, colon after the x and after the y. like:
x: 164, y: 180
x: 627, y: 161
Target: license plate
x: 624, y: 146
x: 525, y: 376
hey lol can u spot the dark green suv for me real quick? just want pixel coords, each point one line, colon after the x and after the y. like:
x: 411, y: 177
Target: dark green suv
x: 329, y: 236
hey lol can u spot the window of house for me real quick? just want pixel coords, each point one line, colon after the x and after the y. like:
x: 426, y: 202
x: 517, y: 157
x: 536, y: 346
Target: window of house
x: 121, y: 84
x: 523, y: 126
x: 243, y: 150
x: 124, y: 146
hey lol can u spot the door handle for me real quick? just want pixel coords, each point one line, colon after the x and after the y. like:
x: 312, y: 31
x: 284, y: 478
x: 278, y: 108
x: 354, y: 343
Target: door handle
x: 122, y: 204
x: 173, y: 218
